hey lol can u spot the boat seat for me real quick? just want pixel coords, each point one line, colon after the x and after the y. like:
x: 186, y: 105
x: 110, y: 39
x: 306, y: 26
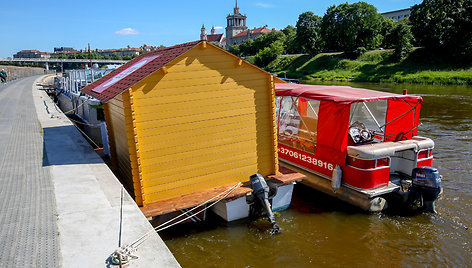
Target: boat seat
x: 381, y: 149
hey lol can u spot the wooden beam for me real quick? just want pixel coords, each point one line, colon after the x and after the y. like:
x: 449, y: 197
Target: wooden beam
x: 164, y: 70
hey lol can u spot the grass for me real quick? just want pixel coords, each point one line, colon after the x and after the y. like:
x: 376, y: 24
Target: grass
x: 374, y: 66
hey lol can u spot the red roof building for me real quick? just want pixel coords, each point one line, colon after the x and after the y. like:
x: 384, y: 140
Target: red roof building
x: 254, y: 32
x: 214, y: 38
x: 186, y: 119
x: 237, y: 31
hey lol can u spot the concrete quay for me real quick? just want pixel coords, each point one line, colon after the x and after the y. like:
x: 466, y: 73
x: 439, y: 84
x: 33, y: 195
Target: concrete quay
x: 59, y: 202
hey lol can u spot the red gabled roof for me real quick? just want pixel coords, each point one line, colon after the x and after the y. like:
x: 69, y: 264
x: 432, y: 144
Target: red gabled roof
x: 342, y: 94
x: 214, y: 37
x: 254, y: 31
x: 130, y: 73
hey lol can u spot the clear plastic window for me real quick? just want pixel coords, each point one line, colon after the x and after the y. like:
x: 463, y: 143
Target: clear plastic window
x: 297, y: 119
x: 367, y: 121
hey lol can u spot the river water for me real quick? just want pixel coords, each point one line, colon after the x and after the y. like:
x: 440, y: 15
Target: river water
x: 318, y: 230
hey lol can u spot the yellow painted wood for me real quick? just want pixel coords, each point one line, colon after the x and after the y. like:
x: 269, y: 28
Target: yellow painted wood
x: 146, y: 89
x: 192, y: 177
x: 183, y: 170
x: 197, y: 127
x: 132, y: 146
x: 230, y: 88
x: 201, y: 111
x: 175, y: 146
x: 117, y: 132
x: 164, y: 69
x: 275, y: 160
x: 192, y: 100
x: 207, y: 182
x: 204, y: 120
x: 111, y: 139
x: 162, y: 122
x: 183, y: 132
x: 204, y: 154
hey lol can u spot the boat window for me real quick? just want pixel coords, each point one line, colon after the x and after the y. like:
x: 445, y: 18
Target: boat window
x: 297, y: 119
x: 367, y: 121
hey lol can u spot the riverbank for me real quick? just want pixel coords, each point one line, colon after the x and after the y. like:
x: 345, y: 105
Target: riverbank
x: 373, y: 66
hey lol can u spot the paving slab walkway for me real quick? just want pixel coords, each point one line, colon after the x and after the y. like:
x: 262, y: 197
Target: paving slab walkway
x: 28, y: 229
x: 59, y: 202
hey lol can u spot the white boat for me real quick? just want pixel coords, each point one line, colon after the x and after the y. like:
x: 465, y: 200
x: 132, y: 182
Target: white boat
x: 86, y: 108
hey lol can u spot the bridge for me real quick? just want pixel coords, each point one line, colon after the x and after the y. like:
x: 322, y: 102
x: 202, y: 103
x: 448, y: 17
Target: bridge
x: 61, y: 61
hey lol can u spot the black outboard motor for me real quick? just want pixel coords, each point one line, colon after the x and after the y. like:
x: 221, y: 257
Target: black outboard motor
x: 261, y: 190
x: 426, y: 182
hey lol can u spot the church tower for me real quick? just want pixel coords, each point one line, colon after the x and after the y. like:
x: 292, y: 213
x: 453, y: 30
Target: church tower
x: 203, y: 33
x: 235, y: 23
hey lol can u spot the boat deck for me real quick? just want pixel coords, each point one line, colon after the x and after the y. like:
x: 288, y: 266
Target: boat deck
x: 285, y: 176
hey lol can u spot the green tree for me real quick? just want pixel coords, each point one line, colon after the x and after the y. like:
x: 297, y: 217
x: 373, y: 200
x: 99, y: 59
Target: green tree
x: 81, y: 55
x: 308, y: 32
x: 291, y: 45
x: 235, y: 50
x: 247, y: 48
x: 350, y: 26
x: 95, y: 55
x: 444, y: 25
x: 116, y: 56
x: 268, y: 54
x: 267, y: 39
x: 403, y: 38
x: 387, y: 29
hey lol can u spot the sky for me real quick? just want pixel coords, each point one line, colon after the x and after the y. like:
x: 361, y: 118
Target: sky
x: 107, y: 24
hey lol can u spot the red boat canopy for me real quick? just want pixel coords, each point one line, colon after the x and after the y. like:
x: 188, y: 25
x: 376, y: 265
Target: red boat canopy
x: 401, y: 118
x: 341, y: 94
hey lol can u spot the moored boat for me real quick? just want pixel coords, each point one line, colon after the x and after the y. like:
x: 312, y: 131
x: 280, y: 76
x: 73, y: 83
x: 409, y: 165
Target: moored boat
x: 359, y: 145
x: 83, y: 107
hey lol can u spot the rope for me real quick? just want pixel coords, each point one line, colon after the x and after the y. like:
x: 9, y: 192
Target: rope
x: 85, y: 135
x: 121, y: 218
x: 126, y: 253
x: 76, y: 107
x: 158, y: 228
x: 78, y: 122
x: 82, y: 123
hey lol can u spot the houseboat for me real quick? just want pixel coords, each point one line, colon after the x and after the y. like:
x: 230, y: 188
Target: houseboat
x: 359, y: 145
x: 87, y: 110
x: 187, y: 122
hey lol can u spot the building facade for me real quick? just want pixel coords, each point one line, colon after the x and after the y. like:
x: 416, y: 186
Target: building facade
x: 35, y: 54
x: 398, y: 14
x: 237, y: 30
x: 214, y: 38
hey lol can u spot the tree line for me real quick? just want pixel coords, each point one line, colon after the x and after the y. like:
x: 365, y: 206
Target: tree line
x: 95, y: 56
x: 440, y: 26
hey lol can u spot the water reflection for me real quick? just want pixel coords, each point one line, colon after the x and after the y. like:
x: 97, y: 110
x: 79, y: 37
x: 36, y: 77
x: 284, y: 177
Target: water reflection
x: 319, y: 230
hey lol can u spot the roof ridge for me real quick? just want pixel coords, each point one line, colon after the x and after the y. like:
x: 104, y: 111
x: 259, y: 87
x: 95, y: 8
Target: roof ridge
x: 135, y: 70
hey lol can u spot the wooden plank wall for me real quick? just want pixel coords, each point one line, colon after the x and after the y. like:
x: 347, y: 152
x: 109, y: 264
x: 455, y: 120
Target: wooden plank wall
x: 206, y: 120
x: 118, y: 126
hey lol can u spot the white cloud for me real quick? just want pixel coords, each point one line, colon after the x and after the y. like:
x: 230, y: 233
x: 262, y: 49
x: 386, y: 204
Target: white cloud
x: 264, y: 5
x: 127, y: 31
x: 218, y: 27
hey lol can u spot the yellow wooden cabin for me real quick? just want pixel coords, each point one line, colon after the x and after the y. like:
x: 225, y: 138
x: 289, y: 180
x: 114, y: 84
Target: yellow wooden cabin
x: 187, y: 118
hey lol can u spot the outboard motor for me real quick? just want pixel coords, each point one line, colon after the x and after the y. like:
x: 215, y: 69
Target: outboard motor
x: 426, y: 182
x: 261, y: 191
